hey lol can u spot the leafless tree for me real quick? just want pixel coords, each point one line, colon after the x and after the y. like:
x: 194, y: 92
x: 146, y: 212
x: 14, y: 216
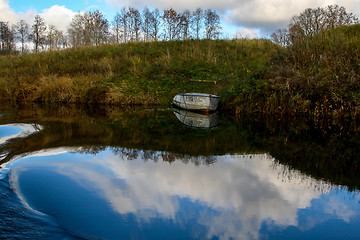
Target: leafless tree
x: 55, y: 38
x: 186, y: 21
x: 60, y: 39
x: 124, y: 15
x: 117, y: 27
x: 155, y: 24
x: 338, y: 16
x: 212, y: 24
x: 51, y: 37
x: 76, y: 31
x: 197, y: 23
x: 146, y: 21
x: 280, y: 37
x: 7, y: 43
x: 134, y: 22
x: 98, y: 27
x: 89, y: 29
x: 38, y: 32
x: 312, y: 21
x: 22, y: 33
x: 172, y: 23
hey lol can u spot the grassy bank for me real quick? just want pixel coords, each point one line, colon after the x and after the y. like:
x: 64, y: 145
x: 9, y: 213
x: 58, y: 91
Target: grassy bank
x: 133, y: 73
x: 316, y: 77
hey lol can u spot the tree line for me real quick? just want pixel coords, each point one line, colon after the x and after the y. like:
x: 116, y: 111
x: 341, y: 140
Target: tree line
x: 93, y: 29
x: 311, y: 22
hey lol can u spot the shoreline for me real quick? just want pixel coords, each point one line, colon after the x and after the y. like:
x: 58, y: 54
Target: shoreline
x: 257, y: 76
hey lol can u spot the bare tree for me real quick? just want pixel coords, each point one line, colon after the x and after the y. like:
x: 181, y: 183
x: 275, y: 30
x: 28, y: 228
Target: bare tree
x: 155, y: 24
x: 60, y: 39
x: 338, y: 16
x: 124, y: 14
x: 186, y: 21
x: 55, y: 38
x: 51, y: 37
x: 134, y: 24
x: 98, y: 27
x: 89, y: 29
x: 117, y: 27
x: 280, y: 37
x: 212, y: 24
x: 38, y: 32
x: 7, y: 43
x: 197, y: 22
x: 76, y: 31
x: 312, y: 21
x: 146, y: 21
x: 172, y: 23
x: 22, y: 33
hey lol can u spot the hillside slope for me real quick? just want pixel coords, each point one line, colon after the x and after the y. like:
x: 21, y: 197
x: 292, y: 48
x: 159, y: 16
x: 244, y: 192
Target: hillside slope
x: 133, y: 73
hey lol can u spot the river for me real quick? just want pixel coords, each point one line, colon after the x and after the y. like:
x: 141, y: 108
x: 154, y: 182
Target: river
x: 70, y: 172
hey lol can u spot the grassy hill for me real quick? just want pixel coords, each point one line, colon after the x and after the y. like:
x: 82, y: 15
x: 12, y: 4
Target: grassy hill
x: 316, y: 77
x: 133, y: 73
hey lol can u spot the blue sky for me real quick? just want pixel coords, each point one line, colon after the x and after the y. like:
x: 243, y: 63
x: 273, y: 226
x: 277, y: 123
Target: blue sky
x: 75, y: 6
x: 246, y: 18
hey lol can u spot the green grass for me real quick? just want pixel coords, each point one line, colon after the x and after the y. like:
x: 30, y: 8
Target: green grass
x: 316, y: 77
x: 133, y: 73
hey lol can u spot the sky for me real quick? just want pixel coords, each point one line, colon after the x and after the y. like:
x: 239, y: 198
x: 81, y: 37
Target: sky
x: 244, y: 18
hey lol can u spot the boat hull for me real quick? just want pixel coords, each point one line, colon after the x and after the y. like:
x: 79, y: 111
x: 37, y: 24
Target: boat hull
x: 196, y: 101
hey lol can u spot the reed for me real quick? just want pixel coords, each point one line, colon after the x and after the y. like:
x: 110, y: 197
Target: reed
x: 316, y: 77
x: 132, y: 73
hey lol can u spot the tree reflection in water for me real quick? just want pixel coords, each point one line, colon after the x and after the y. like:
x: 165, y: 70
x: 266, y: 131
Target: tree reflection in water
x: 331, y: 154
x: 244, y: 179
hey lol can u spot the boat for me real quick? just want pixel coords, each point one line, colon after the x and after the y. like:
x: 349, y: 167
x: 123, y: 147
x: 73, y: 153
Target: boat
x: 196, y: 120
x: 196, y: 101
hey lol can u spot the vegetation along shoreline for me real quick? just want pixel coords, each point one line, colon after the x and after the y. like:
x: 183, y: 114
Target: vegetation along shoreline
x: 310, y: 69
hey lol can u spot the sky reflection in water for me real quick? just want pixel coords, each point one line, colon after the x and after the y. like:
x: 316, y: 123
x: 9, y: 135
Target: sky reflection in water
x: 12, y: 131
x: 240, y: 197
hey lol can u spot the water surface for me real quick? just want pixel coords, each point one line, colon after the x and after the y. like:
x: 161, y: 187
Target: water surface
x: 72, y: 173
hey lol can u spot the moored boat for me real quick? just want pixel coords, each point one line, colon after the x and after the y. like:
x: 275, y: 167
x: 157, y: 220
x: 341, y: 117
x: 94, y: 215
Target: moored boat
x: 196, y: 101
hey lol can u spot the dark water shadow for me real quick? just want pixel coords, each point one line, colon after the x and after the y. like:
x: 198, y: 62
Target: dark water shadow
x: 330, y: 153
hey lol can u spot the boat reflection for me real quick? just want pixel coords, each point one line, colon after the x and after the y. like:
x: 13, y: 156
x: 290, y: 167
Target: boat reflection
x: 196, y: 120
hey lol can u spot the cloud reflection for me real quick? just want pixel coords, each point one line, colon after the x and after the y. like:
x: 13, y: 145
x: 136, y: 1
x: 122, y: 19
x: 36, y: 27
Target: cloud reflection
x: 239, y: 192
x: 19, y: 130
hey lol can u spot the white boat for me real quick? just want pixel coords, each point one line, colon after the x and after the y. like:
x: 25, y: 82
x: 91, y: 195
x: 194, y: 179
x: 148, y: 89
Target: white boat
x: 196, y: 101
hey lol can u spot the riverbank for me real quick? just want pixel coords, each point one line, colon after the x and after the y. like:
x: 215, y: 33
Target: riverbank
x: 316, y: 77
x: 132, y: 73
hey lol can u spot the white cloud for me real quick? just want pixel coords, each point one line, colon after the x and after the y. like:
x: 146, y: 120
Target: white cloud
x: 248, y: 33
x: 7, y: 14
x: 243, y: 190
x: 56, y: 15
x: 264, y: 15
x: 261, y: 16
x: 274, y: 14
x: 24, y: 130
x: 59, y: 16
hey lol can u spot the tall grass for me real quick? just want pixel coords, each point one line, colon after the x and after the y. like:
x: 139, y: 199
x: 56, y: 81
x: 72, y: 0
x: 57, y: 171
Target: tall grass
x: 133, y: 73
x: 316, y: 77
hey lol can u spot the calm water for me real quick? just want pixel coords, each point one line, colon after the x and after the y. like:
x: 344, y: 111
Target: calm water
x: 86, y: 173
